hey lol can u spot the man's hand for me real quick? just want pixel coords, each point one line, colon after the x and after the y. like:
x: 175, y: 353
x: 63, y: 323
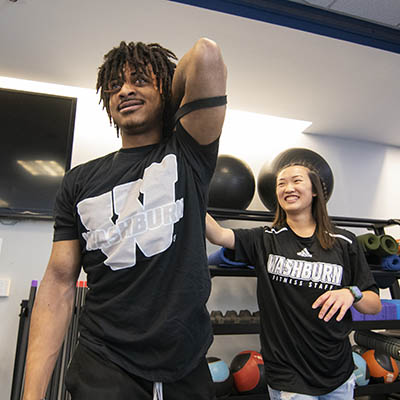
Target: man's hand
x: 332, y: 301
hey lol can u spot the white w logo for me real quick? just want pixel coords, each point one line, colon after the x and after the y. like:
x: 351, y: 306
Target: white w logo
x: 117, y: 221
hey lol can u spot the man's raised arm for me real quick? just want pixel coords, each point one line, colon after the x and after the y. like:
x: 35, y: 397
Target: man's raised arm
x: 200, y: 74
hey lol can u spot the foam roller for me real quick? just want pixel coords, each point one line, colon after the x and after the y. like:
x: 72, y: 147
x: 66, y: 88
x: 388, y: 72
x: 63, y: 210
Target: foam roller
x: 391, y: 263
x: 383, y: 343
x: 388, y: 245
x: 221, y: 259
x: 369, y: 242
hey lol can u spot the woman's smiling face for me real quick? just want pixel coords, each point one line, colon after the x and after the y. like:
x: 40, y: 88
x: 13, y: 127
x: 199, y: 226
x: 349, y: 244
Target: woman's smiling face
x: 294, y: 189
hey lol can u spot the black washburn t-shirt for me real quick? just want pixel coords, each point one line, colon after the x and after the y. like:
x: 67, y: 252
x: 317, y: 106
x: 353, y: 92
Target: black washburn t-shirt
x: 302, y: 353
x: 139, y: 215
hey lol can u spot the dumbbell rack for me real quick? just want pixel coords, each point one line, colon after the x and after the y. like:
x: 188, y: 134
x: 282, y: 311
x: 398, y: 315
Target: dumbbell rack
x: 375, y: 391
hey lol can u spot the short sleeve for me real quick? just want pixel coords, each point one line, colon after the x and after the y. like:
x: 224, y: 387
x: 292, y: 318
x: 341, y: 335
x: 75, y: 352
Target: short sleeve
x: 65, y: 227
x: 362, y: 275
x: 201, y: 158
x: 248, y: 245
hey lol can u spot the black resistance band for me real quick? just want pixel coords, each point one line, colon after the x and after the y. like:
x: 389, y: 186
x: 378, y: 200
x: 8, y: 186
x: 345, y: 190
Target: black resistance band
x: 198, y: 104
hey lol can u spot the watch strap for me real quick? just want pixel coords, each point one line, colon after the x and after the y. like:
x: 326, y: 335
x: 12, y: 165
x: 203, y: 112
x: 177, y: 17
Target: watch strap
x: 356, y: 292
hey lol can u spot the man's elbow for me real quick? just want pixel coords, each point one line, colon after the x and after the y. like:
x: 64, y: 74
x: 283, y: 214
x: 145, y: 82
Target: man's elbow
x: 208, y: 56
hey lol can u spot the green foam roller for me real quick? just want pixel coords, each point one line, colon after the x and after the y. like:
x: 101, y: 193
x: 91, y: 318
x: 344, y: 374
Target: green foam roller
x: 369, y: 242
x: 387, y: 245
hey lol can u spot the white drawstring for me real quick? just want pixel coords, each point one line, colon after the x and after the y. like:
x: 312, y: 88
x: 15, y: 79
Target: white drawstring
x: 157, y: 391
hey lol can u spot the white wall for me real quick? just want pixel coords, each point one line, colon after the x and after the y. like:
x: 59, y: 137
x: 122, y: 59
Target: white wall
x: 366, y: 185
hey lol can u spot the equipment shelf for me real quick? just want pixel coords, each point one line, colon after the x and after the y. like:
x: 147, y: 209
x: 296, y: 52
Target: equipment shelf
x: 374, y: 391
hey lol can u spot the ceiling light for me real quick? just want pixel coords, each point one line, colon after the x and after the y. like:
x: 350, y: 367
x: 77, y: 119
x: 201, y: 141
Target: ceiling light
x: 41, y: 167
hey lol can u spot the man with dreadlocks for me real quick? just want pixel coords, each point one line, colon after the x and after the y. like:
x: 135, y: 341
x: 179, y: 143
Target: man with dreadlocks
x: 135, y: 221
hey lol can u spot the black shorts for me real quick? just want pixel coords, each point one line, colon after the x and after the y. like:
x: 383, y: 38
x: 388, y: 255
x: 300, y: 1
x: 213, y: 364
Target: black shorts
x: 89, y: 376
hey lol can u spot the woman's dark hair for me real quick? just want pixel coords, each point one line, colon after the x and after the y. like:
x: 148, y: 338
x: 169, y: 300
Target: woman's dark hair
x: 319, y: 211
x: 139, y: 56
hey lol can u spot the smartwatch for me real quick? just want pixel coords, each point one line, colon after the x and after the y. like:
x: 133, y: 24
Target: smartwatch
x: 356, y: 292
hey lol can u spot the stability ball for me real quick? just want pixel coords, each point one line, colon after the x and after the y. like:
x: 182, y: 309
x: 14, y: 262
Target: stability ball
x: 361, y: 371
x: 267, y: 176
x: 222, y: 377
x: 232, y: 185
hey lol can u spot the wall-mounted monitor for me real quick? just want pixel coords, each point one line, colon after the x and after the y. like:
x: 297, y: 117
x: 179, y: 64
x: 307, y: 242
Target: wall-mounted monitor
x: 36, y: 134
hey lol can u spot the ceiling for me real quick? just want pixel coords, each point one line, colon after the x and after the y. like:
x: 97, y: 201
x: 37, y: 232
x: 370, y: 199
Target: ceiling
x: 383, y: 12
x: 345, y: 89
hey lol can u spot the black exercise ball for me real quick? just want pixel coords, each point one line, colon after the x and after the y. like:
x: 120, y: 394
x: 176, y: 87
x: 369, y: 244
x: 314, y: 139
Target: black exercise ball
x: 232, y: 185
x: 266, y: 180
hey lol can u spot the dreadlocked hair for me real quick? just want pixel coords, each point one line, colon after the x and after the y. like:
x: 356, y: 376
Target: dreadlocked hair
x: 319, y: 211
x: 139, y: 56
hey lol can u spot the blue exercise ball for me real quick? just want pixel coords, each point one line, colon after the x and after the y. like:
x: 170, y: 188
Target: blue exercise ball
x: 221, y: 376
x: 361, y: 370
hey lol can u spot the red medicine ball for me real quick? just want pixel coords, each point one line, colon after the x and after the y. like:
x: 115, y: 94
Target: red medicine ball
x: 247, y: 368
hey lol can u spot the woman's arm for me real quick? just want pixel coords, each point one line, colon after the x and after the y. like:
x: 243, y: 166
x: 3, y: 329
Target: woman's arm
x: 369, y: 304
x: 218, y: 235
x: 340, y: 300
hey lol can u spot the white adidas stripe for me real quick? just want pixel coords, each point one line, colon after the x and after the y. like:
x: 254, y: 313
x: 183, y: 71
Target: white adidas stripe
x: 274, y: 231
x: 341, y: 237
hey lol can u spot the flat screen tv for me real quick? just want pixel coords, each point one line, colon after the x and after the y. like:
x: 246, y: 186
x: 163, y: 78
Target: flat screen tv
x: 36, y: 133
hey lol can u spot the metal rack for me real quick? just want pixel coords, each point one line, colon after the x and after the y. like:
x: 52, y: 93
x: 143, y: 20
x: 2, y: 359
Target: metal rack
x: 376, y: 391
x: 56, y: 389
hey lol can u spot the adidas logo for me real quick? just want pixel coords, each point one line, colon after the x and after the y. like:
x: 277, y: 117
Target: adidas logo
x: 304, y: 253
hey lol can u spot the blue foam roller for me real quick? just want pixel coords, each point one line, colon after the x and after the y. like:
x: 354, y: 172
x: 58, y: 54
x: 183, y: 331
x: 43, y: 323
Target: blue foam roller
x: 391, y: 263
x: 219, y: 258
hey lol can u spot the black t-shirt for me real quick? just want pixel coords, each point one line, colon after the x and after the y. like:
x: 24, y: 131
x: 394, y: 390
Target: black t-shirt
x: 139, y: 215
x: 302, y: 353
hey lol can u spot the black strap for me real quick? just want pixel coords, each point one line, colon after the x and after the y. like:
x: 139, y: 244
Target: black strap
x: 198, y: 104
